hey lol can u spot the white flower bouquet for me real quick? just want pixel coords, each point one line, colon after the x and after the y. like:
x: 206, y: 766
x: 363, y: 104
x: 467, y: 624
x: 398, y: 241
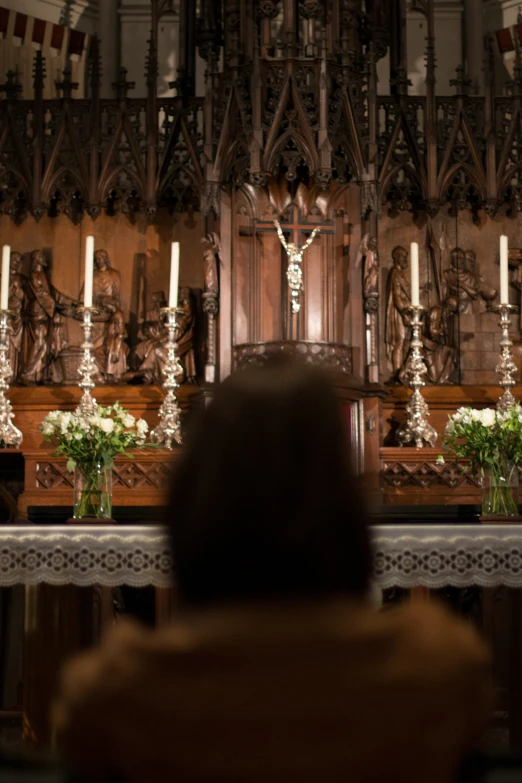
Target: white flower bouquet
x: 492, y: 442
x: 90, y: 444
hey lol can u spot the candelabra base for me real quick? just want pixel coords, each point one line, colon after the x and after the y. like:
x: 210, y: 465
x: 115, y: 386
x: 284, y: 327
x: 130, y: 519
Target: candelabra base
x: 416, y: 429
x: 9, y: 434
x: 169, y: 427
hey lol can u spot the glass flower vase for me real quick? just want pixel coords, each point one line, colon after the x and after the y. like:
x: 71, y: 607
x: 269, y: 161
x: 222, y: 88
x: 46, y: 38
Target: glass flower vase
x: 92, y: 491
x: 500, y: 490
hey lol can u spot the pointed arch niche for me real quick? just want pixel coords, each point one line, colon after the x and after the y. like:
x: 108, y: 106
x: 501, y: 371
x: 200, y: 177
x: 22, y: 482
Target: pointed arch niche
x: 260, y: 306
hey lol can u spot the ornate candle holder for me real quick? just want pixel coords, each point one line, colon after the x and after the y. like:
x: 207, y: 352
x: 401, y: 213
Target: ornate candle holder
x: 416, y: 427
x: 87, y: 368
x: 9, y: 434
x: 169, y: 427
x: 506, y: 366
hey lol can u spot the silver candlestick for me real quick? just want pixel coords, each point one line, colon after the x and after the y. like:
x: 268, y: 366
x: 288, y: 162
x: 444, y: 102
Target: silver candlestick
x: 506, y: 367
x: 416, y: 427
x: 87, y: 368
x: 169, y: 427
x: 9, y: 434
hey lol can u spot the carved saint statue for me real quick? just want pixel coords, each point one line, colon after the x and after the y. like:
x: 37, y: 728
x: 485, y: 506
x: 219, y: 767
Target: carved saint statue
x: 109, y: 333
x: 16, y: 303
x: 41, y: 335
x: 398, y: 321
x: 368, y: 251
x: 154, y: 349
x: 153, y: 332
x: 211, y: 256
x: 440, y: 356
x: 294, y: 272
x: 464, y: 283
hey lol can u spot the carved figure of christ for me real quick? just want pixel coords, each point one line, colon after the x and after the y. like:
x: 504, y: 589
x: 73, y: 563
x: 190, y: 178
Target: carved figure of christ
x: 294, y: 271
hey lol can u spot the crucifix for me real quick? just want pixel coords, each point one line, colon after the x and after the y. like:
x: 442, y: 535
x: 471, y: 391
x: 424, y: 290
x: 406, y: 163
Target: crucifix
x: 296, y: 231
x: 294, y: 271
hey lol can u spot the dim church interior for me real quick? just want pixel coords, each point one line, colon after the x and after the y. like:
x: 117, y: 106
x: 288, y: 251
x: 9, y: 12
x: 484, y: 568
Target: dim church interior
x: 373, y: 124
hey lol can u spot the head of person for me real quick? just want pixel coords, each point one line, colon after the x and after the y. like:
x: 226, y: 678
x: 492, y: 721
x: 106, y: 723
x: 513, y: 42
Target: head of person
x: 451, y: 305
x: 101, y: 260
x: 158, y: 299
x: 400, y: 257
x: 15, y: 262
x: 471, y: 260
x: 458, y: 258
x: 264, y: 505
x: 38, y: 260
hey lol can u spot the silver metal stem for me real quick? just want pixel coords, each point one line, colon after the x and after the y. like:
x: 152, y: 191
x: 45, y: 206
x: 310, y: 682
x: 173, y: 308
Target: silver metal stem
x: 169, y: 427
x: 506, y: 367
x: 416, y: 428
x: 87, y: 368
x: 9, y: 434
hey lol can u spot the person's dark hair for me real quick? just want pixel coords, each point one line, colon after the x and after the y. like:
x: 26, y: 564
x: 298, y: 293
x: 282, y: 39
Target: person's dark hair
x: 264, y: 504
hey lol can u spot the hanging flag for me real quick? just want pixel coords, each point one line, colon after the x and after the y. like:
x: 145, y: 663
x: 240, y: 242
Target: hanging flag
x: 505, y: 41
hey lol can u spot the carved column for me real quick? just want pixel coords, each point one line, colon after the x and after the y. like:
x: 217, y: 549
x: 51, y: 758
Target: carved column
x: 491, y: 205
x: 38, y: 140
x: 232, y: 25
x: 474, y: 42
x: 109, y: 45
x: 348, y: 38
x: 398, y: 50
x: 290, y: 27
x: 266, y: 11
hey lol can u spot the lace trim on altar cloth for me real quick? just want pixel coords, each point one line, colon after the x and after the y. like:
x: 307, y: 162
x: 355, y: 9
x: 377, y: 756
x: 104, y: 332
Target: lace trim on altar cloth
x: 139, y: 556
x: 59, y: 556
x: 482, y: 556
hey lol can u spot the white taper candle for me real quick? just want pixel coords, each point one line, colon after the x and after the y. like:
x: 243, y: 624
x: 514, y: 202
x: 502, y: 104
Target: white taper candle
x: 174, y: 275
x: 414, y: 252
x: 4, y: 289
x: 504, y: 270
x: 89, y: 271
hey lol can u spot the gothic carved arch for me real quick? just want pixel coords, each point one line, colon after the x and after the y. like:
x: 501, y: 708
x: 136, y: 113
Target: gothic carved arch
x: 63, y: 173
x: 179, y: 152
x: 121, y: 158
x: 124, y: 188
x: 291, y: 150
x: 251, y: 198
x: 402, y: 153
x: 336, y: 199
x: 466, y: 184
x: 288, y: 124
x: 14, y: 194
x: 235, y: 166
x: 510, y: 188
x: 462, y: 153
x: 180, y: 188
x: 226, y: 139
x: 402, y: 187
x: 510, y: 148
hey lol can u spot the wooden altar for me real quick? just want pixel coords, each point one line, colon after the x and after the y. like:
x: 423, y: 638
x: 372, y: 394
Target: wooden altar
x: 45, y: 481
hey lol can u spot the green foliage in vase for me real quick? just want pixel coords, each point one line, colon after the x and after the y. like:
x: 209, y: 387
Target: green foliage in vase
x: 94, y: 439
x: 487, y: 438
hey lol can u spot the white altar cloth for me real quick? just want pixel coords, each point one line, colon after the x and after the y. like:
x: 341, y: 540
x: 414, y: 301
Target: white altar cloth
x: 138, y: 555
